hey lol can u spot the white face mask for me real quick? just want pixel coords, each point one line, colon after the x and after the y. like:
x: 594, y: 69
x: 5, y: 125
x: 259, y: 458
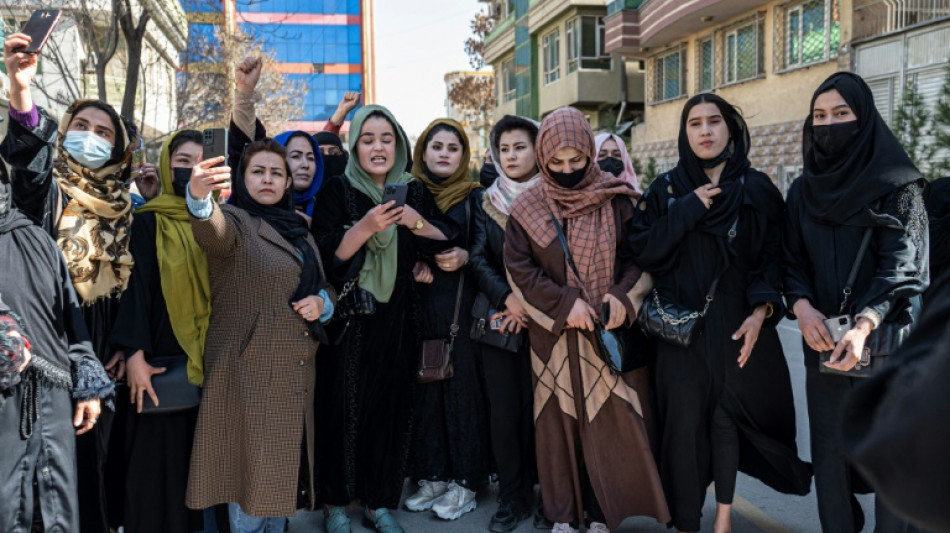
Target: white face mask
x: 87, y: 148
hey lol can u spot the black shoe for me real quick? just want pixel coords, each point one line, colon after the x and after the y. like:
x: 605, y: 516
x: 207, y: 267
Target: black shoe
x: 541, y: 521
x: 508, y: 516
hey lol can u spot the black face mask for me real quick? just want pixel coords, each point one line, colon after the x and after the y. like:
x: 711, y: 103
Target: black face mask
x: 716, y: 161
x: 487, y: 175
x: 180, y: 179
x: 334, y: 165
x: 569, y: 180
x: 611, y: 165
x: 834, y: 140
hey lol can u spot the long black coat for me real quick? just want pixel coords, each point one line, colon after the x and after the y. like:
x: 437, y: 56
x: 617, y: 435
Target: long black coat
x: 691, y: 382
x: 36, y: 285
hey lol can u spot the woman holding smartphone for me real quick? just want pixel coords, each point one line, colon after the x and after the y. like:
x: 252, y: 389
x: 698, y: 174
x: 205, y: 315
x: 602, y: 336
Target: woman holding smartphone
x: 857, y: 179
x: 367, y: 374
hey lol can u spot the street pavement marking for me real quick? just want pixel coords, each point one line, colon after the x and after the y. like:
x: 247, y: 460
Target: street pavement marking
x: 756, y: 515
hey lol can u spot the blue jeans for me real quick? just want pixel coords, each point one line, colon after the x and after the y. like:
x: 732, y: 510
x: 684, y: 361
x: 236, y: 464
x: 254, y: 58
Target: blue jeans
x: 242, y: 522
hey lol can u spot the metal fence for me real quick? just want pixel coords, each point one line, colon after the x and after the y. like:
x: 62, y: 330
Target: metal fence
x: 877, y: 17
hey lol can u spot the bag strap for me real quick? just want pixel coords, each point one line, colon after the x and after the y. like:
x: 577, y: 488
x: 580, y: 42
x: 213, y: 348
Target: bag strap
x: 853, y: 275
x: 454, y: 330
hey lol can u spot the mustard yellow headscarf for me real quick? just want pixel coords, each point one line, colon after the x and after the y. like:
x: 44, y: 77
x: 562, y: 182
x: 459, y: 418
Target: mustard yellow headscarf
x: 183, y: 268
x: 454, y: 188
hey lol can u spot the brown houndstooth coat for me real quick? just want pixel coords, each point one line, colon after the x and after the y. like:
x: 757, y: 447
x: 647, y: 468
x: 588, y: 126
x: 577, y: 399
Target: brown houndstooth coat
x: 259, y: 371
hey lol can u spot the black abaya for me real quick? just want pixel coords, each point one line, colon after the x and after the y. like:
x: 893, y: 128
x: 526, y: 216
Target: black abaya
x: 450, y: 433
x: 365, y: 384
x: 691, y: 383
x: 157, y: 447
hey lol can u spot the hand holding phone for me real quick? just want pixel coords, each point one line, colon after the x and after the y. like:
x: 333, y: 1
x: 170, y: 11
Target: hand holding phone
x: 39, y: 28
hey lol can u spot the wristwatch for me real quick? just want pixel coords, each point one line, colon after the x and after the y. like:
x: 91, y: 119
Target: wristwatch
x: 418, y: 225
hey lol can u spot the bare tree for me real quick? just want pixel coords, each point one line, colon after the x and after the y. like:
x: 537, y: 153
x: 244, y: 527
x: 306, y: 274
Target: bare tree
x: 474, y: 96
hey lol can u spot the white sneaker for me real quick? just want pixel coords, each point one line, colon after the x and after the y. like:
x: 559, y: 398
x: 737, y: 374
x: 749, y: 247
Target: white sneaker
x: 598, y: 527
x: 429, y: 492
x: 457, y: 501
x: 561, y: 527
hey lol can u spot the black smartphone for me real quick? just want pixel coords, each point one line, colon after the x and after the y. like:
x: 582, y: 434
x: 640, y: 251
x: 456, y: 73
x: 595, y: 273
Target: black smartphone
x: 604, y: 313
x: 215, y: 144
x: 395, y: 192
x: 39, y: 28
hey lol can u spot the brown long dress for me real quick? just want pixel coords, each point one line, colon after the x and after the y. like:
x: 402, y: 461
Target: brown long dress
x: 585, y: 418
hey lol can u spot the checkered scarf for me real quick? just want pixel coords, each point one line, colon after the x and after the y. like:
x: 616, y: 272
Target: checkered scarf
x: 586, y: 210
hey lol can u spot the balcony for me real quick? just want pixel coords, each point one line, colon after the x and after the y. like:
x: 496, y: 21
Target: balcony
x: 650, y: 24
x: 873, y: 18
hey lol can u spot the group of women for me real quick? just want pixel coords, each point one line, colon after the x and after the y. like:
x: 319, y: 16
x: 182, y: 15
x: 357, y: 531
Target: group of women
x: 301, y: 306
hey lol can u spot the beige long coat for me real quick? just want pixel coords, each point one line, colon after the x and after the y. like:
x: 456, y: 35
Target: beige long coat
x: 259, y: 370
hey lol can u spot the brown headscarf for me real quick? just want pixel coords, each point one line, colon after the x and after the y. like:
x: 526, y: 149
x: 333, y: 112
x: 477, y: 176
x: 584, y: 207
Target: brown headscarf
x: 585, y: 211
x: 455, y: 188
x: 96, y: 220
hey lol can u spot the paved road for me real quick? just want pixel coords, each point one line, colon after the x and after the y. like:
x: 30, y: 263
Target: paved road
x: 757, y: 508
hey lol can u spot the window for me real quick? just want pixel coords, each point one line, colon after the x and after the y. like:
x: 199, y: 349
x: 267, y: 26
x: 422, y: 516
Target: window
x: 585, y: 44
x: 552, y: 57
x: 745, y: 57
x: 669, y: 76
x: 507, y: 80
x: 706, y: 64
x: 812, y: 32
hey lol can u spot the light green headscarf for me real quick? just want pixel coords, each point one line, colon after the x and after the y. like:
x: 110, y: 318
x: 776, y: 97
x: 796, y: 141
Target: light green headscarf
x: 378, y: 274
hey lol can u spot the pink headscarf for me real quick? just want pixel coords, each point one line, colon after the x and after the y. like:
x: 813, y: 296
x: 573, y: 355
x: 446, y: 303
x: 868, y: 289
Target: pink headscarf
x: 628, y: 173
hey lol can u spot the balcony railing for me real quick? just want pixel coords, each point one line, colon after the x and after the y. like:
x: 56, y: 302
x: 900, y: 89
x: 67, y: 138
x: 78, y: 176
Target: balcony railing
x: 617, y: 5
x: 878, y: 17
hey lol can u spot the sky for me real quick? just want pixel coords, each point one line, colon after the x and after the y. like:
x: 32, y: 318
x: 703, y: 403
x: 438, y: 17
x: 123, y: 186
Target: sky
x: 417, y: 43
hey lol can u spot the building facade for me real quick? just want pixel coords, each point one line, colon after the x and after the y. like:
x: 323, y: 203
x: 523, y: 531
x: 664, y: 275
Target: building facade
x: 767, y: 57
x: 66, y: 70
x: 324, y: 45
x: 548, y: 54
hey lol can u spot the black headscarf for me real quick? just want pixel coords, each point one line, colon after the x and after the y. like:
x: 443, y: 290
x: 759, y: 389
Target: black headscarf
x: 689, y: 174
x: 333, y: 165
x: 838, y: 186
x: 10, y: 217
x: 291, y: 226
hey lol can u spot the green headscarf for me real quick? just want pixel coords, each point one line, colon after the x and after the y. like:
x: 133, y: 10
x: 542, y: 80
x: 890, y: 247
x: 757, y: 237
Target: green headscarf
x: 183, y: 267
x: 378, y: 274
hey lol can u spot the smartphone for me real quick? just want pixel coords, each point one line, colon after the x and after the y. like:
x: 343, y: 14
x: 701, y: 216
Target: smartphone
x: 838, y: 326
x: 138, y: 158
x: 494, y: 324
x: 395, y: 192
x: 39, y: 28
x: 215, y: 144
x: 604, y: 313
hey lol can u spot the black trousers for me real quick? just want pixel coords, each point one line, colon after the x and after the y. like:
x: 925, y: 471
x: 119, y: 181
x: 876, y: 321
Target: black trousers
x: 836, y: 482
x: 510, y: 397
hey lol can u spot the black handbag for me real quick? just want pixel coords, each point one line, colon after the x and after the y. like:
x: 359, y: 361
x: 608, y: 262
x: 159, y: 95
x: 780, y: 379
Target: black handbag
x: 482, y: 332
x: 609, y: 344
x: 175, y: 393
x: 672, y: 323
x: 355, y: 301
x: 880, y: 343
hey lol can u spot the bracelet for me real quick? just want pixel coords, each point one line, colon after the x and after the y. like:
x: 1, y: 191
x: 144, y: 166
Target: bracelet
x: 769, y: 310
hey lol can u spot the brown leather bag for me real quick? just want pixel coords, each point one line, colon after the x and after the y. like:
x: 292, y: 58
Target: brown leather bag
x: 435, y: 360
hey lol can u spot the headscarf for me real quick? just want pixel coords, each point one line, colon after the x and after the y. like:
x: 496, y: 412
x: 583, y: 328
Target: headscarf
x: 455, y: 188
x: 586, y: 210
x: 378, y: 273
x: 94, y: 227
x: 628, y: 173
x: 688, y: 175
x: 504, y: 191
x: 291, y: 226
x: 333, y: 165
x: 836, y: 187
x: 304, y: 200
x: 183, y: 268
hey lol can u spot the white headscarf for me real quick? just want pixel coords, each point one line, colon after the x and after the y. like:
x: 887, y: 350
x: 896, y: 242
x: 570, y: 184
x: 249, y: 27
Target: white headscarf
x: 505, y: 190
